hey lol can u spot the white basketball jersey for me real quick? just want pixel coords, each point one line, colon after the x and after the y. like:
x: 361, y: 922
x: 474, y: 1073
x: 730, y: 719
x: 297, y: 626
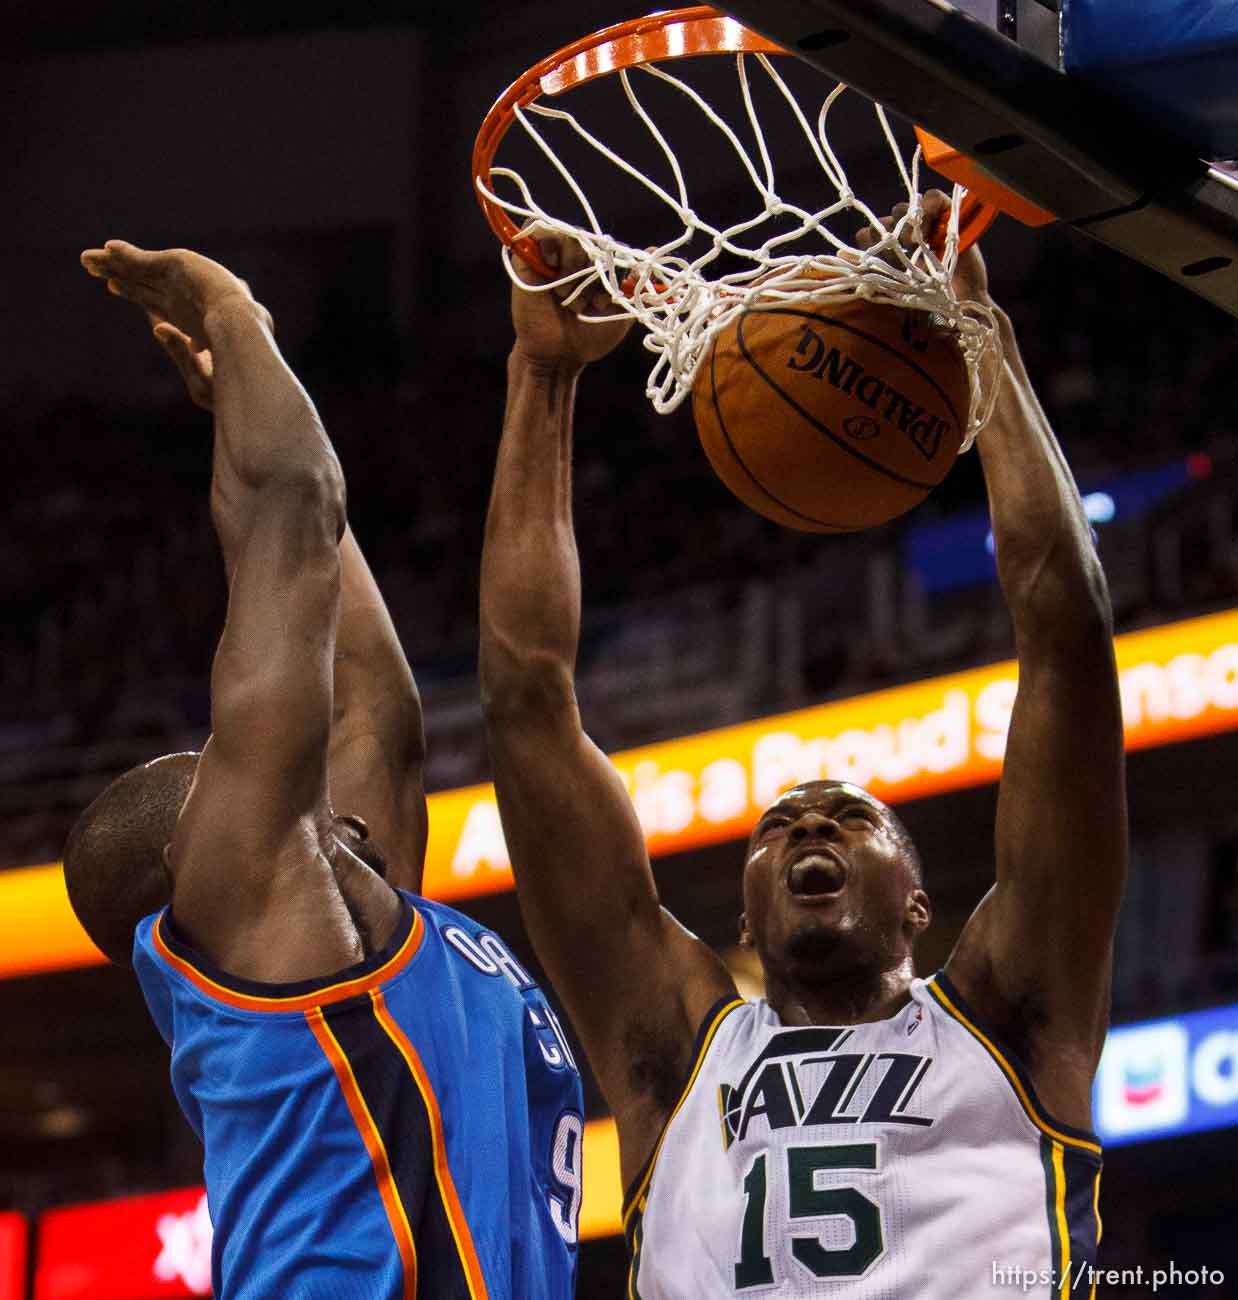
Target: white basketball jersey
x: 906, y: 1159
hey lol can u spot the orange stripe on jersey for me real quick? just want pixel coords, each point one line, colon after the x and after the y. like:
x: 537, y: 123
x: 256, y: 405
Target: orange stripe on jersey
x: 442, y: 1171
x: 324, y: 996
x: 400, y: 1227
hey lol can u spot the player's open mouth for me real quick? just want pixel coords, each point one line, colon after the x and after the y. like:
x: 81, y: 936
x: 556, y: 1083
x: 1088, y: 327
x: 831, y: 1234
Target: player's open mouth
x: 816, y: 876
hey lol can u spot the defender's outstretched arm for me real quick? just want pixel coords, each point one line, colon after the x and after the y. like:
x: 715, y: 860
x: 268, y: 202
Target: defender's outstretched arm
x: 634, y: 982
x: 1038, y: 952
x: 377, y: 749
x: 247, y: 844
x: 377, y: 753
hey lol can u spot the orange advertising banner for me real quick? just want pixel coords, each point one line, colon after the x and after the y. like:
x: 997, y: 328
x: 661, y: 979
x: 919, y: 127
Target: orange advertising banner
x: 1178, y: 682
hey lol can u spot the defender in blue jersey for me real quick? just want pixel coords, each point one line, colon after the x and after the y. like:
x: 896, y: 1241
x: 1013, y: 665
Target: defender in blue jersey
x: 321, y: 1107
x: 387, y: 1102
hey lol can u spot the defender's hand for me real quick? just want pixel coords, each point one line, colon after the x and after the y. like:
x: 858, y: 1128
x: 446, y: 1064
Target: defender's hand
x: 549, y: 332
x: 173, y: 285
x: 197, y: 367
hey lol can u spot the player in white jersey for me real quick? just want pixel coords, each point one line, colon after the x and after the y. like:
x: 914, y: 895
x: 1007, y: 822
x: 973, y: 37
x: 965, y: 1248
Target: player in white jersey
x: 859, y: 1132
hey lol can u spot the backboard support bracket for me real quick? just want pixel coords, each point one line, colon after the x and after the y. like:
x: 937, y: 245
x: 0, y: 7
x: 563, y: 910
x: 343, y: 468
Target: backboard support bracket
x: 1129, y: 184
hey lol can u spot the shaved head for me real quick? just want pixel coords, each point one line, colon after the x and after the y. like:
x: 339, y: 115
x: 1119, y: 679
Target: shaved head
x: 113, y: 859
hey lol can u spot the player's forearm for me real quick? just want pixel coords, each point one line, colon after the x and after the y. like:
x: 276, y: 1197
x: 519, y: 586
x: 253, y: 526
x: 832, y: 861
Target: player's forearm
x: 267, y: 431
x: 1046, y: 558
x: 375, y: 693
x: 530, y: 584
x: 231, y: 503
x: 376, y: 696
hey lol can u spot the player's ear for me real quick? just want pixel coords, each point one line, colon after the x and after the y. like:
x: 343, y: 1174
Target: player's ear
x: 358, y: 824
x: 745, y: 935
x: 919, y: 910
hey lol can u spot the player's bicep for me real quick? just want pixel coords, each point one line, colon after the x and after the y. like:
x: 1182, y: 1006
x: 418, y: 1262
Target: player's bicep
x: 588, y: 895
x: 1046, y: 932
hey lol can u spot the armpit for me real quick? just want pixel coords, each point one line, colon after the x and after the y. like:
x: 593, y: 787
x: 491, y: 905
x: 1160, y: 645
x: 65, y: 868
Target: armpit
x: 658, y: 1061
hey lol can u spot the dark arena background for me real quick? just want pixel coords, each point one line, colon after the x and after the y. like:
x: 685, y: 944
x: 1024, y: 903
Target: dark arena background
x: 322, y: 151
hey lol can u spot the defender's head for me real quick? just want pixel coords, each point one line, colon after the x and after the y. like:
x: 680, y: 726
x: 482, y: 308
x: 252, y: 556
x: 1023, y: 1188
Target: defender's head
x: 832, y: 885
x: 114, y: 866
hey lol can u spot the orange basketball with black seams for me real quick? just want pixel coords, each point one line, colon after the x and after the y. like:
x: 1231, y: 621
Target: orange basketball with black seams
x: 832, y: 416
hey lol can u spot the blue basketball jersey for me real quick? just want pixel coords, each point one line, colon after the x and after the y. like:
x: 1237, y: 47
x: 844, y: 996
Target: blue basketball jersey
x: 411, y: 1126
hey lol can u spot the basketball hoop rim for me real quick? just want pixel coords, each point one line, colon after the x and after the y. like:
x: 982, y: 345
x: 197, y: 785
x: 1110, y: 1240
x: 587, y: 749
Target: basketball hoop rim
x: 621, y: 45
x: 702, y: 30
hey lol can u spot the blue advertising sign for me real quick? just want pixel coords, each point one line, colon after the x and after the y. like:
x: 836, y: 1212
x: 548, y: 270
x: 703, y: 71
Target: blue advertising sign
x: 1164, y: 1078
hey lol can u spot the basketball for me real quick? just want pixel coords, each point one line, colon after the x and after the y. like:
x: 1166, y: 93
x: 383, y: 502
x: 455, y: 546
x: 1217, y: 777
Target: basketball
x: 832, y: 416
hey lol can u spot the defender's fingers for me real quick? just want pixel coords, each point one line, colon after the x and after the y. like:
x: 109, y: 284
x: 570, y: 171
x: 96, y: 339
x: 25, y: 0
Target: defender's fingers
x: 180, y: 349
x: 135, y: 292
x: 176, y: 341
x: 95, y: 260
x: 121, y: 280
x: 118, y: 257
x: 127, y: 254
x: 175, y: 344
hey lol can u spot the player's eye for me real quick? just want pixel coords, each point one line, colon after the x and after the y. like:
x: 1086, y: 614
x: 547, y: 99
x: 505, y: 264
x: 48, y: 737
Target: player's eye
x: 857, y: 816
x: 773, y: 824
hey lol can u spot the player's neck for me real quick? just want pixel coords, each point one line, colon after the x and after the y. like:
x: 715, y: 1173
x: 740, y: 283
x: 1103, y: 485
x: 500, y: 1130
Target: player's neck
x: 845, y: 1000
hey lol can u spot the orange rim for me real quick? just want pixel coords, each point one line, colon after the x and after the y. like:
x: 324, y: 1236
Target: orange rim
x: 975, y: 217
x: 699, y: 29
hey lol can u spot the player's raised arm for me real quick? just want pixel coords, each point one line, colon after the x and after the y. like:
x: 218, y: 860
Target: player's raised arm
x: 634, y: 982
x: 1035, y: 959
x: 378, y: 744
x: 250, y: 827
x: 377, y: 748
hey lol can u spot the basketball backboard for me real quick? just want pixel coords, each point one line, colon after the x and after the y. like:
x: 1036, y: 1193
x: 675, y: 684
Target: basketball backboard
x: 981, y: 75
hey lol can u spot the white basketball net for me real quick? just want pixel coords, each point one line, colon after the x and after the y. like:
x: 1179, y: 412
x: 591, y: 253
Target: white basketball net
x: 683, y: 307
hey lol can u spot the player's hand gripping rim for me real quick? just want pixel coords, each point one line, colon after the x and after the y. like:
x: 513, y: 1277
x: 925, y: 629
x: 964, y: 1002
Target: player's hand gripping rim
x: 552, y: 325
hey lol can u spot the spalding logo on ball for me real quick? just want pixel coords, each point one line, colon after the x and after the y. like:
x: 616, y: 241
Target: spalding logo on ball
x: 832, y: 416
